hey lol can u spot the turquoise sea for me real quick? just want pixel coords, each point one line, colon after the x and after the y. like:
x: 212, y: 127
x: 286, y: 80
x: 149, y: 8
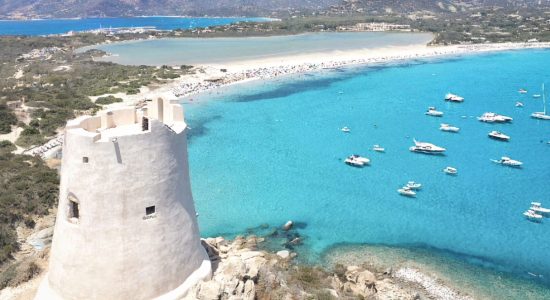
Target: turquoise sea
x: 58, y: 26
x: 267, y: 152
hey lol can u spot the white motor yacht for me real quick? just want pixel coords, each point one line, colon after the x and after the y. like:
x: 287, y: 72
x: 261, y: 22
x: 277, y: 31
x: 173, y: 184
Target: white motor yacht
x: 497, y: 135
x: 506, y: 161
x: 537, y: 208
x: 345, y: 129
x: 378, y: 148
x: 405, y: 191
x: 522, y: 91
x: 453, y: 98
x: 491, y: 117
x: 519, y: 104
x: 413, y: 185
x: 450, y: 171
x: 427, y: 148
x: 448, y: 128
x: 432, y: 111
x: 357, y: 161
x: 532, y: 216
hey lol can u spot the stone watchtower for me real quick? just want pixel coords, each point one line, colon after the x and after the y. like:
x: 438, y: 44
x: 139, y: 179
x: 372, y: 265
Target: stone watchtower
x: 126, y: 226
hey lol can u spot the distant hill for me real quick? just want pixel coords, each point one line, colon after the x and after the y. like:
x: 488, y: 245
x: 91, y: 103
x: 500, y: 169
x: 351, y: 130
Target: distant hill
x: 407, y: 6
x: 114, y: 8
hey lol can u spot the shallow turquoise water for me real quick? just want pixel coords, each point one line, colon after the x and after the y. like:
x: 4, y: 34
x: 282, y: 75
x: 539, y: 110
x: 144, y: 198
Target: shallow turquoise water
x: 193, y: 51
x: 269, y: 152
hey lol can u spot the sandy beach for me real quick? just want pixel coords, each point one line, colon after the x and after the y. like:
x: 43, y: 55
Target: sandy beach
x: 211, y: 76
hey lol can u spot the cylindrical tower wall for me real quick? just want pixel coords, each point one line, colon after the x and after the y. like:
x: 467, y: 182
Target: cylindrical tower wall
x: 126, y: 226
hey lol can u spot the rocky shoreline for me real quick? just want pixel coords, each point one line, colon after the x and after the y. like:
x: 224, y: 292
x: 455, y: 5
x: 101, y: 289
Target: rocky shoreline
x: 244, y: 269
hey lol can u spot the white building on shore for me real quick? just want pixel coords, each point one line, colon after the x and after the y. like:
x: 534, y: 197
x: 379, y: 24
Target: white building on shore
x: 377, y: 26
x: 126, y: 226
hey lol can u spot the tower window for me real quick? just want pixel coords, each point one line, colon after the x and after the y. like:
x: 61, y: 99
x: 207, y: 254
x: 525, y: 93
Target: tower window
x: 85, y: 159
x: 150, y: 210
x: 73, y: 213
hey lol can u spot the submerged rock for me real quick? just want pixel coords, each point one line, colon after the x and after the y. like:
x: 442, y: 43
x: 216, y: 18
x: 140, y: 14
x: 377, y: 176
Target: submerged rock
x: 288, y: 225
x: 284, y: 254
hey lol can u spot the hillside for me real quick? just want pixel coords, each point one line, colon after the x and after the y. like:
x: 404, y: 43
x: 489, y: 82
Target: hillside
x: 113, y: 8
x: 449, y: 6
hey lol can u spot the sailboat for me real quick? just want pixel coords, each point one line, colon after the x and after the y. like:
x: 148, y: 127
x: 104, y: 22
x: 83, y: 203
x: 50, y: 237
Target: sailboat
x: 541, y: 114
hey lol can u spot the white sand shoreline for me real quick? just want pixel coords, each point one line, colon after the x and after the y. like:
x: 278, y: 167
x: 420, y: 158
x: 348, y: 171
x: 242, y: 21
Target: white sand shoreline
x: 209, y: 77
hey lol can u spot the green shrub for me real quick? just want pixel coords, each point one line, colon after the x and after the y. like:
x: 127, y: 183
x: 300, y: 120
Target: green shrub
x: 107, y: 100
x: 6, y: 147
x: 7, y: 119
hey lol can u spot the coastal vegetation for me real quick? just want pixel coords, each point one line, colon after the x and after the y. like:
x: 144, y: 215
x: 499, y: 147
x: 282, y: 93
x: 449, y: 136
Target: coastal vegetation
x: 29, y: 189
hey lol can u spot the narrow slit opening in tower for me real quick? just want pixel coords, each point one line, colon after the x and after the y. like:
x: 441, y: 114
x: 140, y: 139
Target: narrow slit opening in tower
x: 144, y: 124
x: 150, y: 210
x: 74, y: 212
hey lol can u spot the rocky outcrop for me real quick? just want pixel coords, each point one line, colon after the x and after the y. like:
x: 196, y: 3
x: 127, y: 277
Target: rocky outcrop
x: 242, y: 271
x: 236, y: 268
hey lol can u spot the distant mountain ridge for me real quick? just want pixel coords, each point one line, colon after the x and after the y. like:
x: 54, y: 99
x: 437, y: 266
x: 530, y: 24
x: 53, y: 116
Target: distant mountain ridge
x: 116, y: 8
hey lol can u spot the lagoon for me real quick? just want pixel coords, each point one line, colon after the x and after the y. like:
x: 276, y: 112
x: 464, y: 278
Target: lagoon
x: 199, y: 51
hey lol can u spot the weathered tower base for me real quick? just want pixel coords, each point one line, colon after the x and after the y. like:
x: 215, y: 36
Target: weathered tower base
x: 204, y: 272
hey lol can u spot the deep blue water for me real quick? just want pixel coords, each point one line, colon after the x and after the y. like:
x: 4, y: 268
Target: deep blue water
x: 269, y: 152
x: 57, y: 26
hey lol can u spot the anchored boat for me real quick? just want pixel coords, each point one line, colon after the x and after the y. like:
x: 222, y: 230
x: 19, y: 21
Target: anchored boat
x: 537, y: 208
x: 357, y: 161
x: 453, y: 98
x: 448, y: 128
x: 497, y: 135
x: 532, y: 216
x: 541, y: 115
x: 432, y: 111
x: 407, y: 192
x: 427, y: 148
x: 506, y: 161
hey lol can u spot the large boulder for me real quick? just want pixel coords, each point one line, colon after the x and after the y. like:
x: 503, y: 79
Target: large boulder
x: 210, y: 290
x: 249, y: 290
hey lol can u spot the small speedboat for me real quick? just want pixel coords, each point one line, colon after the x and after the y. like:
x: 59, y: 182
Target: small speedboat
x: 378, y: 148
x: 536, y: 96
x: 532, y: 216
x: 519, y: 104
x: 432, y: 111
x: 453, y: 98
x: 345, y: 129
x: 413, y: 185
x: 427, y: 148
x: 450, y: 171
x: 357, y: 161
x: 497, y: 135
x: 448, y: 128
x: 506, y: 161
x: 405, y: 191
x: 522, y: 91
x: 537, y: 208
